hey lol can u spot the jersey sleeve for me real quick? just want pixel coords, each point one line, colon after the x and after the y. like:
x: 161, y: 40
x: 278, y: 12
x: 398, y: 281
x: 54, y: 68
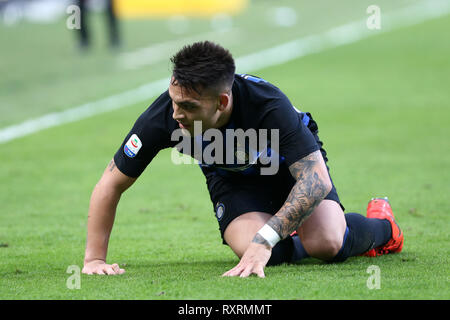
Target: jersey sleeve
x: 147, y: 137
x: 295, y: 139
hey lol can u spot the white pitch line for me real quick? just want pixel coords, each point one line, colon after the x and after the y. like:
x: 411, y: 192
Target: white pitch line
x: 159, y: 52
x: 342, y: 35
x: 86, y: 110
x: 345, y: 34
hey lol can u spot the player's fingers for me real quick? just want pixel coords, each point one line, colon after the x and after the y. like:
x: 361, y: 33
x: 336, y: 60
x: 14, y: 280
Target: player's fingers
x: 110, y: 271
x: 86, y: 271
x: 115, y: 267
x: 237, y: 270
x: 227, y: 274
x: 99, y: 271
x: 247, y: 271
x: 233, y: 272
x: 259, y: 271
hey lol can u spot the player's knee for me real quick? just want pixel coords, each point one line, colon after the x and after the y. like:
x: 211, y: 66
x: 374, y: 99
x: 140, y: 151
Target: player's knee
x: 325, y: 248
x: 332, y: 248
x: 240, y: 232
x: 238, y: 245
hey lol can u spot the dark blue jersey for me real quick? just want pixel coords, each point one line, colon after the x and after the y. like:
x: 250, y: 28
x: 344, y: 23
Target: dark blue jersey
x: 258, y: 107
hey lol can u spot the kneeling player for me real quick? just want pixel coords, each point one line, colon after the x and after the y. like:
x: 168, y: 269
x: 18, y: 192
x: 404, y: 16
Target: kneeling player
x: 266, y: 219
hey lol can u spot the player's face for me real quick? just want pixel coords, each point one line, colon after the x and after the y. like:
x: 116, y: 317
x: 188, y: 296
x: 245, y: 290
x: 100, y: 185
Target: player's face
x: 190, y: 106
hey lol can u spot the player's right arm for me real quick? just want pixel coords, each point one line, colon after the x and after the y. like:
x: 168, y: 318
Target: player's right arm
x: 150, y: 133
x: 102, y: 211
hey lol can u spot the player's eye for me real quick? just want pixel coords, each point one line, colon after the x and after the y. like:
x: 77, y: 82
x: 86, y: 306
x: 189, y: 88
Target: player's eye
x: 188, y: 107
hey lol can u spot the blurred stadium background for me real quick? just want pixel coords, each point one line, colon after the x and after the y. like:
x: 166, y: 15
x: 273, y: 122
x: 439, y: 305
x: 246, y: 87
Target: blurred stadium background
x: 380, y: 96
x: 40, y: 57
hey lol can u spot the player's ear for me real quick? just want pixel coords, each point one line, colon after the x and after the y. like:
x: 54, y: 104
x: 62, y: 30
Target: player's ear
x: 224, y: 100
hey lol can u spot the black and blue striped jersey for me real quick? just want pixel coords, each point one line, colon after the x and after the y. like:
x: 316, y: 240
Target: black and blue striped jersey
x: 258, y: 106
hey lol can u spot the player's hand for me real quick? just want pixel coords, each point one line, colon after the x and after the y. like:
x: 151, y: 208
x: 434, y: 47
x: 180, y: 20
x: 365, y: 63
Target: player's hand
x: 101, y: 267
x: 253, y: 261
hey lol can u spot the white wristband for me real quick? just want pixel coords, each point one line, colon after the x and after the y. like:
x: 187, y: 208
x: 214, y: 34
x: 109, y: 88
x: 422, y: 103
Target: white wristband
x: 269, y: 234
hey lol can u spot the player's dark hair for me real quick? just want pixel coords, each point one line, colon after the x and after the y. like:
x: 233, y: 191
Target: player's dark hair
x: 203, y: 65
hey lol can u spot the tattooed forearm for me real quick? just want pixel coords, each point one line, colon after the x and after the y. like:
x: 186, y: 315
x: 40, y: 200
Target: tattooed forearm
x: 312, y: 186
x: 259, y: 239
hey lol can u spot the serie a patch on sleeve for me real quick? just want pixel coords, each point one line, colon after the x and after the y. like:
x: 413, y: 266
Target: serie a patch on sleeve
x: 132, y: 146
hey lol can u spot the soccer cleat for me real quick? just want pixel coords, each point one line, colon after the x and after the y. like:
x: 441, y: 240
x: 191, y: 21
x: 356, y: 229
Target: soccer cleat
x: 381, y: 209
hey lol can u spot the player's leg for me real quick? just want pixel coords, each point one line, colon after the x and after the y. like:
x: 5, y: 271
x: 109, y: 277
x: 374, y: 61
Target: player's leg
x: 331, y: 235
x: 328, y: 229
x: 323, y: 232
x: 380, y: 209
x: 325, y: 228
x: 328, y: 234
x: 243, y: 207
x: 241, y: 231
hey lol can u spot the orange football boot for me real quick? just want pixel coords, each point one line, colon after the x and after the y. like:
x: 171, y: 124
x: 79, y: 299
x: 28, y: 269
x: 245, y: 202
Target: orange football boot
x: 381, y: 209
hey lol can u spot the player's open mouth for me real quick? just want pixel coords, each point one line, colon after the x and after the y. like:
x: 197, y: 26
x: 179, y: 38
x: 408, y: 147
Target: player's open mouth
x: 183, y: 126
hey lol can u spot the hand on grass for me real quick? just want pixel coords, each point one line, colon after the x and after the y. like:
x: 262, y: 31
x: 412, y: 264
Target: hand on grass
x: 253, y: 261
x: 100, y: 267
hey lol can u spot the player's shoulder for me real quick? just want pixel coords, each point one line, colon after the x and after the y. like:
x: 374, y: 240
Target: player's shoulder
x: 258, y: 90
x: 256, y: 83
x: 258, y: 93
x: 158, y: 113
x: 160, y: 105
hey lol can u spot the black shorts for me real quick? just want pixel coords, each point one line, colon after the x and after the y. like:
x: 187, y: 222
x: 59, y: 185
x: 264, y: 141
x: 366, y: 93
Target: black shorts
x: 232, y: 197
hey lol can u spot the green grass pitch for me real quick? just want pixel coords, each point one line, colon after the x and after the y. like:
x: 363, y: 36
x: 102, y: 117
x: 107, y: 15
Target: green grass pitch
x: 383, y: 109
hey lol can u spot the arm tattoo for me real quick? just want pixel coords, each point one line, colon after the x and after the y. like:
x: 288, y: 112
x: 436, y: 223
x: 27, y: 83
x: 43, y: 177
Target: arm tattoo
x: 111, y: 165
x: 259, y: 239
x: 307, y: 193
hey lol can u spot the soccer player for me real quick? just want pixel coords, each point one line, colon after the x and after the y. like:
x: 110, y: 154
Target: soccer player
x: 266, y: 218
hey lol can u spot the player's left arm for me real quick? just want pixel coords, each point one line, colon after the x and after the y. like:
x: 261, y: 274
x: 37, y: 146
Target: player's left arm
x: 312, y: 186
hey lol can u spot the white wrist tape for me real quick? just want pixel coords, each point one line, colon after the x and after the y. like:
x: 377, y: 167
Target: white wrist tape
x: 269, y: 234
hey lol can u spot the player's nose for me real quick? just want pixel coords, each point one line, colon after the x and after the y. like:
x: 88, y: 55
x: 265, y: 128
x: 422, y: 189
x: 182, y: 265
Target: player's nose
x: 177, y: 115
